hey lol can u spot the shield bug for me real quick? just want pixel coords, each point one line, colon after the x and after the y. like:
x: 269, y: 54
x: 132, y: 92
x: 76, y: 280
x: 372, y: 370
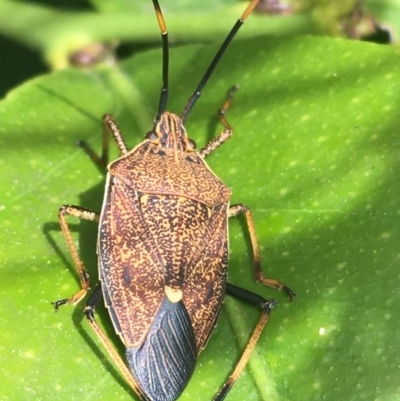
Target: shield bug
x: 163, y: 247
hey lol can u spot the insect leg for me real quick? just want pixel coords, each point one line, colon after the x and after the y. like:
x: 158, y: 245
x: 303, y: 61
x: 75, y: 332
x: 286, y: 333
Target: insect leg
x: 265, y: 306
x: 91, y: 304
x: 234, y: 210
x: 109, y: 127
x: 227, y: 132
x: 84, y: 279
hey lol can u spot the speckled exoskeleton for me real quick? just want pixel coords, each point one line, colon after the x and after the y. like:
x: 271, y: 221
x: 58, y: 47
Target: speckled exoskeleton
x: 163, y: 248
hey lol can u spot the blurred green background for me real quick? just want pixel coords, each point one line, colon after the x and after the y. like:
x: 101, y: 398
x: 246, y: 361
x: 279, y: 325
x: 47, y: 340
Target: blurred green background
x: 315, y: 155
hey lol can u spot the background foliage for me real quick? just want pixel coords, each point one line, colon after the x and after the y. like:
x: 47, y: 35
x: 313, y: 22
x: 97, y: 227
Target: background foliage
x: 315, y: 155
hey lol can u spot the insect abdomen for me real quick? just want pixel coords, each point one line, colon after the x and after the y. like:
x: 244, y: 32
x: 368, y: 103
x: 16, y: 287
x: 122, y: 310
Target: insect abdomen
x: 164, y: 363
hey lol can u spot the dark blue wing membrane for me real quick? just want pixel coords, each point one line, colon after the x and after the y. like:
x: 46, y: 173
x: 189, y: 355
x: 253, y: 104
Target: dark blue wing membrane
x: 164, y: 363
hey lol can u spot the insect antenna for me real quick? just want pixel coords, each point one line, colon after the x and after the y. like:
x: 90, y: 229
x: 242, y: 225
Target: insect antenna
x: 165, y: 59
x: 197, y: 93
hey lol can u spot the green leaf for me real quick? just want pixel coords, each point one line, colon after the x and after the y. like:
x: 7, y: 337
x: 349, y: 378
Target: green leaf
x: 315, y: 156
x: 56, y: 34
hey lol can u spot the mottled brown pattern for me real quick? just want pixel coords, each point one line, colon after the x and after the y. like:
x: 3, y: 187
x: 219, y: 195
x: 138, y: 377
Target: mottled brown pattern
x: 177, y: 225
x: 205, y: 280
x: 128, y: 264
x: 162, y: 169
x: 192, y: 240
x: 163, y: 247
x: 163, y: 223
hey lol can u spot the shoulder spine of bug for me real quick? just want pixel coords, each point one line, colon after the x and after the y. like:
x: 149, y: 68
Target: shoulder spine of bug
x: 163, y: 248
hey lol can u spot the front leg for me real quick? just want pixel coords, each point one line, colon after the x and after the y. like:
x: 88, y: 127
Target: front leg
x: 109, y: 127
x: 227, y: 132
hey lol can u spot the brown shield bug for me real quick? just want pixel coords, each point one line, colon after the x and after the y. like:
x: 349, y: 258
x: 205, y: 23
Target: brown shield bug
x: 163, y: 247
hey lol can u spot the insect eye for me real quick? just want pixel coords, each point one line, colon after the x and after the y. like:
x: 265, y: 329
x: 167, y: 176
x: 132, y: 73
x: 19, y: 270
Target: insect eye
x: 191, y: 145
x: 151, y: 136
